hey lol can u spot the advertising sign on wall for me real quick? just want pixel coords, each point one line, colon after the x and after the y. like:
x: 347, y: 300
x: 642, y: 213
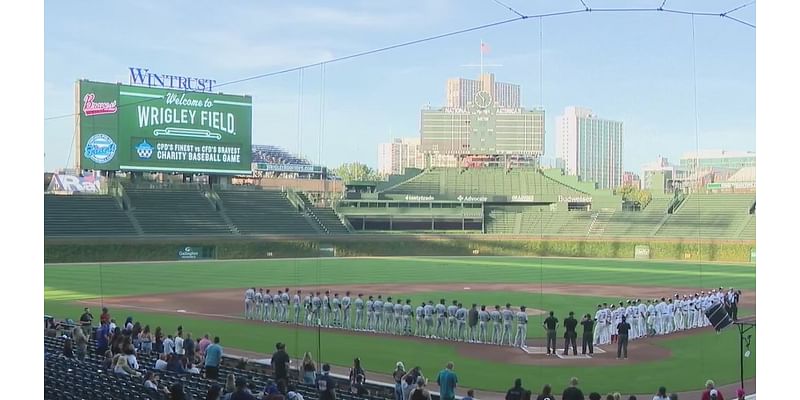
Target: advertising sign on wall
x: 135, y: 128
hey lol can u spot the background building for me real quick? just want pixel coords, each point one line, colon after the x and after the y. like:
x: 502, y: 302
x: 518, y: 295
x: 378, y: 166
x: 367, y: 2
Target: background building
x: 590, y: 147
x: 401, y: 153
x: 718, y: 160
x: 461, y: 91
x: 631, y: 179
x: 662, y: 177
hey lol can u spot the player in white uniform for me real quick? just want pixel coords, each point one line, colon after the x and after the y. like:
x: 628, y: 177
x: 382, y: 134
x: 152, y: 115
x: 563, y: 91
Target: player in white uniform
x: 483, y: 318
x: 406, y: 315
x: 316, y: 306
x: 600, y: 325
x: 616, y: 314
x: 669, y: 324
x: 346, y: 310
x: 508, y: 320
x: 608, y: 327
x: 285, y: 304
x: 296, y: 306
x: 370, y: 307
x: 651, y: 317
x: 429, y: 311
x: 326, y: 309
x: 397, y: 328
x: 441, y: 317
x: 630, y: 316
x: 267, y: 299
x: 336, y: 310
x: 496, y: 322
x: 451, y: 320
x: 522, y: 328
x: 258, y: 302
x: 249, y: 306
x: 359, y: 305
x: 641, y: 312
x: 461, y: 321
x: 661, y: 313
x: 388, y: 310
x: 419, y: 320
x: 679, y: 316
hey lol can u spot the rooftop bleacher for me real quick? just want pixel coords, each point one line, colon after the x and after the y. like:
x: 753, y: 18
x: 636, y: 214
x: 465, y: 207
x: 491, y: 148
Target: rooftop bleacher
x: 275, y: 155
x: 87, y: 215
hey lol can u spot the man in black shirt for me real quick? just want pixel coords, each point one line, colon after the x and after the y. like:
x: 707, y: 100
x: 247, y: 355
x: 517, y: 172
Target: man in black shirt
x: 325, y: 384
x: 572, y: 392
x: 622, y: 336
x: 588, y: 336
x: 86, y: 322
x: 280, y: 367
x: 516, y: 392
x: 550, y: 325
x: 570, y: 334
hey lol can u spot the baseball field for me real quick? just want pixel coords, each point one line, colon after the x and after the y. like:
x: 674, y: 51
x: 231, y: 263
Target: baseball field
x: 207, y: 296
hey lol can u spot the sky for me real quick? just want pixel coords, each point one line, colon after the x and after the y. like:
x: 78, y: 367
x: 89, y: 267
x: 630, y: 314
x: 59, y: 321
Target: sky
x: 631, y: 67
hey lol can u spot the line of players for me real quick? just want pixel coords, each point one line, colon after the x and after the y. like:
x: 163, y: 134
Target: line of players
x: 658, y: 317
x: 374, y: 314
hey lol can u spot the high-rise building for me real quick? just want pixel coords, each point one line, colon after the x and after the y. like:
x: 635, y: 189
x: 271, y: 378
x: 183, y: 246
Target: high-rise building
x: 590, y: 147
x: 461, y: 92
x: 401, y: 153
x: 662, y: 177
x: 707, y: 160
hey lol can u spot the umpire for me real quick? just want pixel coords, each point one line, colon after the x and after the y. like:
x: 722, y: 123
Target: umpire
x: 588, y: 338
x: 550, y: 324
x: 570, y: 334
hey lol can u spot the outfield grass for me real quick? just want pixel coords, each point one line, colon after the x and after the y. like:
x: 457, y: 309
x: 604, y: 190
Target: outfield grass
x: 696, y: 358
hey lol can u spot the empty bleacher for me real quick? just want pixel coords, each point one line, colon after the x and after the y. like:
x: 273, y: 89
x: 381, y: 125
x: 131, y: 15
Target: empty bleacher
x: 637, y: 223
x: 329, y: 220
x: 87, y: 215
x: 263, y: 212
x: 176, y: 212
x: 708, y: 215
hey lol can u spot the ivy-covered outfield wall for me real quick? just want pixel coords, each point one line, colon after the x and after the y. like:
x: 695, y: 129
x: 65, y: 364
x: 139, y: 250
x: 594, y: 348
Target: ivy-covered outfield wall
x: 72, y: 250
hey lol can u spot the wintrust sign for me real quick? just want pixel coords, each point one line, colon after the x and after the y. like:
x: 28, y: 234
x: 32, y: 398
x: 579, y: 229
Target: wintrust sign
x: 143, y: 77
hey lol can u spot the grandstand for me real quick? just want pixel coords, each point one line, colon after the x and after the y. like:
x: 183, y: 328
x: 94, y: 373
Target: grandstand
x: 710, y: 215
x: 85, y: 214
x: 263, y: 212
x: 176, y: 212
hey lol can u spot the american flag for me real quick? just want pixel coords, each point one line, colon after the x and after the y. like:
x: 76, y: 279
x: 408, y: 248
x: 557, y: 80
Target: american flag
x: 484, y: 48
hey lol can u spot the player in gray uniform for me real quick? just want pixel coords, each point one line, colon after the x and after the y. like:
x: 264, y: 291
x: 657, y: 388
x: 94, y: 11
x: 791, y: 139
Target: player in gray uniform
x: 419, y: 320
x: 398, y: 317
x: 388, y: 310
x: 358, y: 304
x: 429, y: 311
x: 276, y: 301
x: 406, y: 311
x: 285, y: 298
x: 496, y: 322
x: 377, y: 313
x: 522, y: 328
x: 451, y: 320
x: 346, y: 310
x: 296, y: 306
x: 441, y: 315
x: 326, y: 308
x: 316, y: 306
x: 483, y: 318
x: 267, y: 299
x: 249, y: 296
x: 508, y: 320
x: 258, y: 303
x: 336, y: 310
x: 370, y: 315
x: 461, y: 320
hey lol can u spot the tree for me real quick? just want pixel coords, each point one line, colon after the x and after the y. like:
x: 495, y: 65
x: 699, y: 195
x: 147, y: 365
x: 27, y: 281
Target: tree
x: 633, y: 194
x: 356, y: 171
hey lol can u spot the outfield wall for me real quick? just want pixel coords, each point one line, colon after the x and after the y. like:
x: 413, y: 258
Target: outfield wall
x: 168, y: 249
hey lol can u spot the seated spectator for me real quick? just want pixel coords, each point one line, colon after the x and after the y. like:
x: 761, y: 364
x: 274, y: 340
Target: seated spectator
x: 617, y: 396
x: 174, y: 364
x: 662, y: 394
x: 130, y: 355
x: 81, y: 342
x: 67, y: 352
x: 161, y: 363
x: 230, y: 384
x: 572, y: 392
x: 242, y: 392
x: 292, y: 395
x: 420, y: 393
x: 214, y: 392
x: 122, y: 367
x: 108, y: 360
x: 177, y: 392
x: 151, y: 384
x: 271, y: 392
x: 595, y: 396
x: 707, y: 393
x: 471, y: 395
x: 516, y: 392
x: 547, y: 394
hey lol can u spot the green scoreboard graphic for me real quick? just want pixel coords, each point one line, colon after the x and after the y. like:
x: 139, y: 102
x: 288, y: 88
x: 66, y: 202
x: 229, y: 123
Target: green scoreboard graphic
x: 134, y: 128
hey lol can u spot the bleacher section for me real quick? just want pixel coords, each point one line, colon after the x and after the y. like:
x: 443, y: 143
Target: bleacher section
x: 709, y: 215
x: 176, y: 212
x: 637, y: 223
x: 88, y: 215
x: 263, y: 212
x: 330, y: 221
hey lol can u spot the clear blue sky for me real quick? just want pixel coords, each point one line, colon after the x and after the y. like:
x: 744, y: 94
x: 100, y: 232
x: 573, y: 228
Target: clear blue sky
x: 633, y: 67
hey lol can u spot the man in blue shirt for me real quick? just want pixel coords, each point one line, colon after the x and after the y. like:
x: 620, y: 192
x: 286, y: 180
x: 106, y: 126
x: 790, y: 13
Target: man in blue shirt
x: 102, y: 337
x: 447, y: 381
x: 325, y: 384
x: 213, y: 357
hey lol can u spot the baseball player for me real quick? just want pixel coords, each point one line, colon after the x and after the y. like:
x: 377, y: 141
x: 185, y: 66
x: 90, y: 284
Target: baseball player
x: 377, y: 313
x: 267, y: 305
x: 285, y: 297
x: 369, y: 308
x: 307, y: 308
x: 678, y: 309
x: 316, y: 306
x: 670, y: 317
x: 296, y: 306
x: 451, y: 319
x: 607, y: 332
x: 497, y: 321
x: 278, y: 306
x: 388, y: 310
x: 419, y: 319
x: 429, y: 311
x: 522, y: 328
x: 441, y: 314
x: 651, y: 318
x: 461, y: 321
x: 249, y: 296
x: 359, y: 304
x: 258, y: 303
x: 642, y: 317
x: 398, y: 317
x: 483, y: 318
x: 600, y: 325
x: 612, y: 328
x: 346, y: 310
x: 508, y: 319
x: 630, y: 316
x: 326, y: 308
x: 406, y: 312
x: 336, y: 310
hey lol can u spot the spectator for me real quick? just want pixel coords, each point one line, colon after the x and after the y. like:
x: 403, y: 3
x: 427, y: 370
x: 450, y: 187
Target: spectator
x: 325, y: 384
x: 709, y: 388
x: 420, y: 393
x: 739, y: 394
x: 410, y: 381
x: 470, y: 395
x: 135, y: 335
x: 631, y: 397
x: 113, y: 325
x: 86, y: 322
x: 397, y: 375
x: 152, y: 386
x: 128, y: 326
x: 516, y: 392
x: 447, y: 381
x: 108, y: 360
x: 715, y: 394
x: 176, y: 392
x: 271, y: 392
x: 213, y: 357
x: 102, y: 337
x: 168, y: 345
x: 146, y: 340
x: 189, y: 347
x: 213, y: 392
x: 547, y: 393
x: 662, y: 394
x: 175, y: 364
x: 673, y: 396
x: 356, y: 370
x: 292, y: 395
x: 203, y: 344
x: 309, y: 369
x: 122, y: 366
x: 280, y: 367
x: 161, y: 362
x: 179, y: 343
x: 81, y: 342
x: 595, y: 396
x: 105, y: 317
x: 617, y: 396
x: 609, y: 396
x: 159, y: 340
x: 358, y: 389
x: 67, y: 351
x: 572, y: 392
x: 230, y: 384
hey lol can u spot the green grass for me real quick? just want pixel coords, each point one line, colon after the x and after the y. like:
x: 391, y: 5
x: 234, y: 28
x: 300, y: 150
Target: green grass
x: 694, y: 359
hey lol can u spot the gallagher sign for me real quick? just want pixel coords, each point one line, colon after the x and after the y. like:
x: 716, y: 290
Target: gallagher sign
x: 134, y: 128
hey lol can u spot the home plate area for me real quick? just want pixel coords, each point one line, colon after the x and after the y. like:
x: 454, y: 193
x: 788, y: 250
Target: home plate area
x: 535, y: 350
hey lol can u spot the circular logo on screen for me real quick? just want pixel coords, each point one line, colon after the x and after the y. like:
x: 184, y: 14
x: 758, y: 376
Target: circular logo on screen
x: 144, y: 150
x: 100, y: 148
